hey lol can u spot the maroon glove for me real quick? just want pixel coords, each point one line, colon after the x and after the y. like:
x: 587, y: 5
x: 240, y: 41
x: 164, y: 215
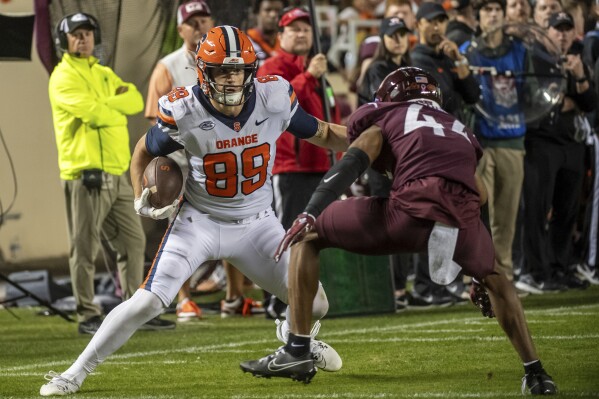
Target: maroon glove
x: 303, y: 224
x: 480, y: 299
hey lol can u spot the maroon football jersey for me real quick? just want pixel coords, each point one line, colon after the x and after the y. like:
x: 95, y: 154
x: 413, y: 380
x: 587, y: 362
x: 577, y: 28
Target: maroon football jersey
x: 428, y: 151
x: 419, y: 141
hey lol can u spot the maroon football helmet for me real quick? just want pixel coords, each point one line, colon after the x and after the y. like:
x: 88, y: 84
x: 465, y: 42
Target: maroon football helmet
x: 409, y: 83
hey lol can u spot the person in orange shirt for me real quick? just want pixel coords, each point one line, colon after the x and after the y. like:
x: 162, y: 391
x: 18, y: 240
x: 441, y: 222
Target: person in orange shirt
x: 264, y: 36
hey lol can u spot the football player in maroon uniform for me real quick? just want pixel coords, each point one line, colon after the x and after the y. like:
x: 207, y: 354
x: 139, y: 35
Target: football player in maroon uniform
x: 434, y: 206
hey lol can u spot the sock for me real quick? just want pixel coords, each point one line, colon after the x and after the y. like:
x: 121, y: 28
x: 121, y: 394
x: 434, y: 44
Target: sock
x: 76, y: 373
x: 118, y: 326
x: 298, y: 345
x: 533, y: 367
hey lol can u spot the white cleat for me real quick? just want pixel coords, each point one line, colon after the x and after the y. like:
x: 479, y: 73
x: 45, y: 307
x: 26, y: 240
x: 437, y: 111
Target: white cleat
x: 58, y: 385
x: 325, y: 357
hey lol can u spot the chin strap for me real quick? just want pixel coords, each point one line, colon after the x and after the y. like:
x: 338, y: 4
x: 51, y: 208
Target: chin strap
x: 337, y: 179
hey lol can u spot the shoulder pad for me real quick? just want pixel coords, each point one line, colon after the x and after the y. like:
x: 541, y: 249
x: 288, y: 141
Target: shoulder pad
x: 274, y: 91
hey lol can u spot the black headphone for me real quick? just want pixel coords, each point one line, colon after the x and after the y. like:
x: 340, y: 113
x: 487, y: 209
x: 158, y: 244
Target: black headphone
x: 61, y: 40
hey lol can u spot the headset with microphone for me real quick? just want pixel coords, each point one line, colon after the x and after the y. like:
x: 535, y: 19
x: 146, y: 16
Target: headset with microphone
x: 70, y: 23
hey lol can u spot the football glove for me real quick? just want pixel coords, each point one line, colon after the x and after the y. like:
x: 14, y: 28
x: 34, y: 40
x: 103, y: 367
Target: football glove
x: 480, y: 299
x: 143, y: 207
x: 303, y: 224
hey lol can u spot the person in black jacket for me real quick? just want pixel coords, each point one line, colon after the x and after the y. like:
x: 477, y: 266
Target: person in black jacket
x: 554, y: 172
x: 391, y: 53
x: 441, y: 58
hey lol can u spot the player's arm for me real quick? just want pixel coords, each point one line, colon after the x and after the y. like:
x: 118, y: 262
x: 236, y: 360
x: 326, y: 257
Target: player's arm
x: 360, y: 155
x: 139, y: 161
x: 154, y: 143
x: 317, y: 132
x: 330, y: 135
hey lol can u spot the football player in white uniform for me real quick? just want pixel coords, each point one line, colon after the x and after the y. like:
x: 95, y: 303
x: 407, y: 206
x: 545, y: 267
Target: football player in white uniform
x: 228, y: 125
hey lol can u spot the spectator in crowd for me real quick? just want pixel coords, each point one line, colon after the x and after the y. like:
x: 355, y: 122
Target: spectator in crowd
x: 401, y: 9
x: 543, y: 9
x: 518, y: 11
x: 435, y: 192
x: 441, y: 57
x: 462, y: 26
x: 90, y: 105
x: 194, y: 20
x: 265, y: 35
x: 554, y: 169
x: 177, y: 69
x: 392, y: 53
x: 501, y: 128
x: 232, y: 220
x: 299, y: 165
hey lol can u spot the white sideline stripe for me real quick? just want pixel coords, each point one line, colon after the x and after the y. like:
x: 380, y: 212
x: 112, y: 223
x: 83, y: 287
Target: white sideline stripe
x: 409, y: 327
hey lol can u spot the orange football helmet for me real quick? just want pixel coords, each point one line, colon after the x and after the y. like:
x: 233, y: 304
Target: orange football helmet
x: 221, y: 48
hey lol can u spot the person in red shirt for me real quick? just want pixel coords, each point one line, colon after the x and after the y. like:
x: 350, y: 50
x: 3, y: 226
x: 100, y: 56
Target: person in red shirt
x: 298, y: 166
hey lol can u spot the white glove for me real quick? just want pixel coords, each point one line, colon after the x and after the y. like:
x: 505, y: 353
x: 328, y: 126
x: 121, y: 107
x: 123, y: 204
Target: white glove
x: 143, y: 208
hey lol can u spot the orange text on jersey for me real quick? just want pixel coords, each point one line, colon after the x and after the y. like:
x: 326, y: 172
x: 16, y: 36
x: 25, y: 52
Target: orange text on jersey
x: 236, y: 142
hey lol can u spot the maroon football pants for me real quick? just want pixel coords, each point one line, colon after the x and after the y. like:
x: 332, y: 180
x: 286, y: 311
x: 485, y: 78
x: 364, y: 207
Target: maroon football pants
x: 378, y: 226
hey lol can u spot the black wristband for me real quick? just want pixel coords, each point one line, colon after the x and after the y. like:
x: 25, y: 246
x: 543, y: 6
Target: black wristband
x: 582, y: 80
x: 337, y: 179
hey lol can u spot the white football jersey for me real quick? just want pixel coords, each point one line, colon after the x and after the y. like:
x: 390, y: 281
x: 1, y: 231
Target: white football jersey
x: 230, y: 159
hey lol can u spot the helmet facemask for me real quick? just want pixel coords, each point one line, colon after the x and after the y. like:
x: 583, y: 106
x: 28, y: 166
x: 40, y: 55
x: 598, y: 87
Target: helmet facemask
x: 230, y: 95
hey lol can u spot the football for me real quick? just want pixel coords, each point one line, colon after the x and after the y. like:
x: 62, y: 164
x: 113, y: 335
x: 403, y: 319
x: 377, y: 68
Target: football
x: 164, y: 179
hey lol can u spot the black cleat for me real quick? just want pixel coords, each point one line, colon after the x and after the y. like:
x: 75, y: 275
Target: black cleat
x: 538, y: 384
x: 282, y: 364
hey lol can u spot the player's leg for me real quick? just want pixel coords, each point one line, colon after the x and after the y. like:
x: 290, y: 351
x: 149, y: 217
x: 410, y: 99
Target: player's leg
x: 233, y: 304
x: 474, y: 252
x: 294, y: 360
x: 510, y: 315
x: 304, y: 271
x: 187, y: 242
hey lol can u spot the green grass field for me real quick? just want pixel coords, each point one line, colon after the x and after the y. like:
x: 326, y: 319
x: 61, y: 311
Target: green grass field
x: 440, y: 353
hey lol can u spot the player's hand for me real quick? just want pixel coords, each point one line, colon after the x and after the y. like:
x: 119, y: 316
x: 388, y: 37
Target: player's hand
x: 480, y: 299
x: 143, y: 207
x: 303, y: 224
